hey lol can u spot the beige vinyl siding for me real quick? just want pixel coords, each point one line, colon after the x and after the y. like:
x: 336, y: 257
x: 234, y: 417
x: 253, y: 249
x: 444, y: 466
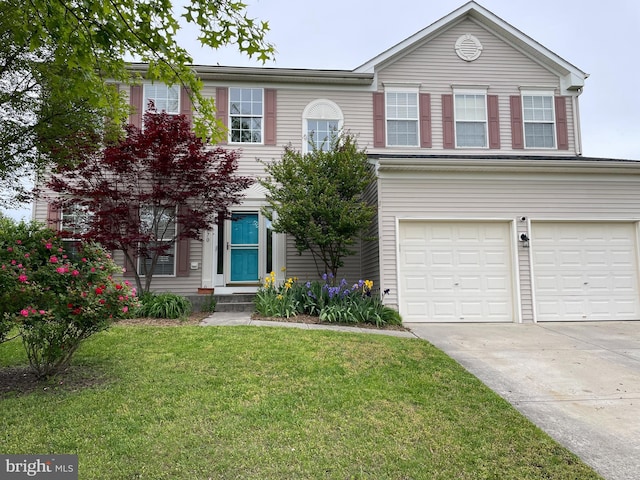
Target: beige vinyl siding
x: 303, y: 266
x: 436, y: 68
x: 505, y: 196
x: 370, y: 244
x: 181, y: 285
x: 355, y: 104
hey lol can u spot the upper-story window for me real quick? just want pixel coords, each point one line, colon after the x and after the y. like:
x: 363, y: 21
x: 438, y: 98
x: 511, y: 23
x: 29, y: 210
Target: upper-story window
x: 539, y: 120
x: 322, y: 122
x: 245, y: 115
x: 471, y: 118
x: 402, y: 118
x: 164, y: 98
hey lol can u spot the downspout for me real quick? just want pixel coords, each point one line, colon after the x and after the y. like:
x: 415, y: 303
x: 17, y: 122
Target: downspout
x: 576, y: 123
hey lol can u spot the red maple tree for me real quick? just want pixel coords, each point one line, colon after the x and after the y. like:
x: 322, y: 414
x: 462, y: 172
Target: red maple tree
x: 151, y: 190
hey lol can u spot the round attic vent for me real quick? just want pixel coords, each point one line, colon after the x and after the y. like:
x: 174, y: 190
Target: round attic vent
x: 468, y: 47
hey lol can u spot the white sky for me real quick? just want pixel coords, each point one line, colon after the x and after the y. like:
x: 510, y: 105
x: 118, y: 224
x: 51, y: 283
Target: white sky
x: 598, y: 37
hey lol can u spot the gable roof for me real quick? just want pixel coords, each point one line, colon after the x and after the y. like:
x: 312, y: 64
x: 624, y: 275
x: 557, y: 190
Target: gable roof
x: 572, y: 78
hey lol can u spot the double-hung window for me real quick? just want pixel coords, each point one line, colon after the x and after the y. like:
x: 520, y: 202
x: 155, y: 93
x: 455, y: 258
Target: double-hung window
x: 539, y: 120
x: 164, y: 98
x: 159, y: 223
x: 74, y: 223
x: 402, y: 118
x: 471, y: 119
x: 246, y: 115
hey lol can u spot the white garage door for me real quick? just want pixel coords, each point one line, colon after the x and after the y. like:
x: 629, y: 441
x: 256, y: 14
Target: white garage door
x: 585, y: 271
x: 455, y: 272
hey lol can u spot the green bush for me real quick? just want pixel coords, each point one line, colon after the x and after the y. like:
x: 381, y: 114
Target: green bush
x: 55, y: 299
x: 164, y: 305
x: 341, y: 303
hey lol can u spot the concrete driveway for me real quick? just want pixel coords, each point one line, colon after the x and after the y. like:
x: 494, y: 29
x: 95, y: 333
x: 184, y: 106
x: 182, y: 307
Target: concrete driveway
x: 580, y: 382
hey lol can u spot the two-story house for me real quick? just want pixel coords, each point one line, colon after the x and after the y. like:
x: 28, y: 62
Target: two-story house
x: 487, y: 210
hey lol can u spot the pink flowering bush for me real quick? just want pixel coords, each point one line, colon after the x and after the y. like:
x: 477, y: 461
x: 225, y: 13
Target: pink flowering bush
x: 53, y: 299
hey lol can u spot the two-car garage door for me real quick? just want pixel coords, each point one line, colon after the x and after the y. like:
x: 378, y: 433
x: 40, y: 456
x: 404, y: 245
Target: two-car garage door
x: 464, y: 271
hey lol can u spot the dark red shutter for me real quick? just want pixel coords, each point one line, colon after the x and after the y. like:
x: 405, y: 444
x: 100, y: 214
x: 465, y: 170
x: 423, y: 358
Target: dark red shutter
x: 494, y: 121
x: 185, y: 104
x: 182, y: 254
x: 378, y: 120
x: 448, y: 130
x: 135, y: 99
x: 562, y: 130
x: 425, y: 120
x: 53, y: 216
x: 269, y: 116
x: 222, y: 109
x: 129, y: 267
x: 517, y: 133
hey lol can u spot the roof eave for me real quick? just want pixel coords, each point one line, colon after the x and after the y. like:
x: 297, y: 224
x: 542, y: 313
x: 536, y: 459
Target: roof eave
x: 275, y: 75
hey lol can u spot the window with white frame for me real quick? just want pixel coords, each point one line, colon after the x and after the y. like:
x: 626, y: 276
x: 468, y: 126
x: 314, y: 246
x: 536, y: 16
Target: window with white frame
x: 246, y: 115
x: 539, y: 120
x: 322, y: 122
x: 402, y: 118
x: 74, y: 221
x: 470, y: 112
x: 164, y: 98
x: 160, y: 223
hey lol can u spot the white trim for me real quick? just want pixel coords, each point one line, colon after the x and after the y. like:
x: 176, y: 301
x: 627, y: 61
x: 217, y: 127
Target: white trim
x: 409, y: 90
x: 321, y: 109
x: 145, y: 97
x: 476, y: 92
x: 513, y: 246
x: 230, y: 116
x: 572, y: 78
x: 539, y: 93
x: 601, y: 220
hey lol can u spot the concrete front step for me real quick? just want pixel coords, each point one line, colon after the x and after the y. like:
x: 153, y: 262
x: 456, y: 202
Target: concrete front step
x: 237, y: 302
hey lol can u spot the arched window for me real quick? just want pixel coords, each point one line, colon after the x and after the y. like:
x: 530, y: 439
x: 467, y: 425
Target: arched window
x: 321, y: 120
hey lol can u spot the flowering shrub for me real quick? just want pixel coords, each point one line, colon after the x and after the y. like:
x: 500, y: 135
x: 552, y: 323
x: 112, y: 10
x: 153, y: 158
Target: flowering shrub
x: 342, y: 303
x: 52, y: 299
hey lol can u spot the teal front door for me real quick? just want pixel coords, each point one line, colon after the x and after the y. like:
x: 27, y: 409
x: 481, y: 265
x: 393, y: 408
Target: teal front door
x: 245, y: 228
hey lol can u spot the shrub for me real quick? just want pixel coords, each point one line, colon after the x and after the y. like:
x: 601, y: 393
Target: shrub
x: 339, y: 303
x: 55, y: 299
x: 164, y: 305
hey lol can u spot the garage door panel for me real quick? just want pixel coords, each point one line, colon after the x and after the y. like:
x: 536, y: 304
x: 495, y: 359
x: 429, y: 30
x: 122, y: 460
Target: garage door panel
x: 468, y: 271
x: 585, y: 271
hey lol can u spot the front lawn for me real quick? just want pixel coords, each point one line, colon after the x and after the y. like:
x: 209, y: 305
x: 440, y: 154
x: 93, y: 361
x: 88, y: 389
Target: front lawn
x: 273, y: 403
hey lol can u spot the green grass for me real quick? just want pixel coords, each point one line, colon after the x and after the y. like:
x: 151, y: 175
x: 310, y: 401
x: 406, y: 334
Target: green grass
x: 272, y: 403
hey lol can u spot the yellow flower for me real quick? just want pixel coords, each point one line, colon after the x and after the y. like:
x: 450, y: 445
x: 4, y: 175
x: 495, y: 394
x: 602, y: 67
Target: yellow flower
x: 368, y: 284
x: 279, y: 297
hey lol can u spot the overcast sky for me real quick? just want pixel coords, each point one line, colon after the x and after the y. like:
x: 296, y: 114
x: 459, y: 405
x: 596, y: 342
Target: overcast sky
x: 598, y: 37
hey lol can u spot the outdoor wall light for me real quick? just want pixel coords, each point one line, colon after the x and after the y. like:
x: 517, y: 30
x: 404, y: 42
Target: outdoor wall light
x: 525, y: 240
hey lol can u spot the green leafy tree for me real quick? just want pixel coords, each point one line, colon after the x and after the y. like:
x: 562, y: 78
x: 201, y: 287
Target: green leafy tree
x: 59, y: 57
x: 317, y: 198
